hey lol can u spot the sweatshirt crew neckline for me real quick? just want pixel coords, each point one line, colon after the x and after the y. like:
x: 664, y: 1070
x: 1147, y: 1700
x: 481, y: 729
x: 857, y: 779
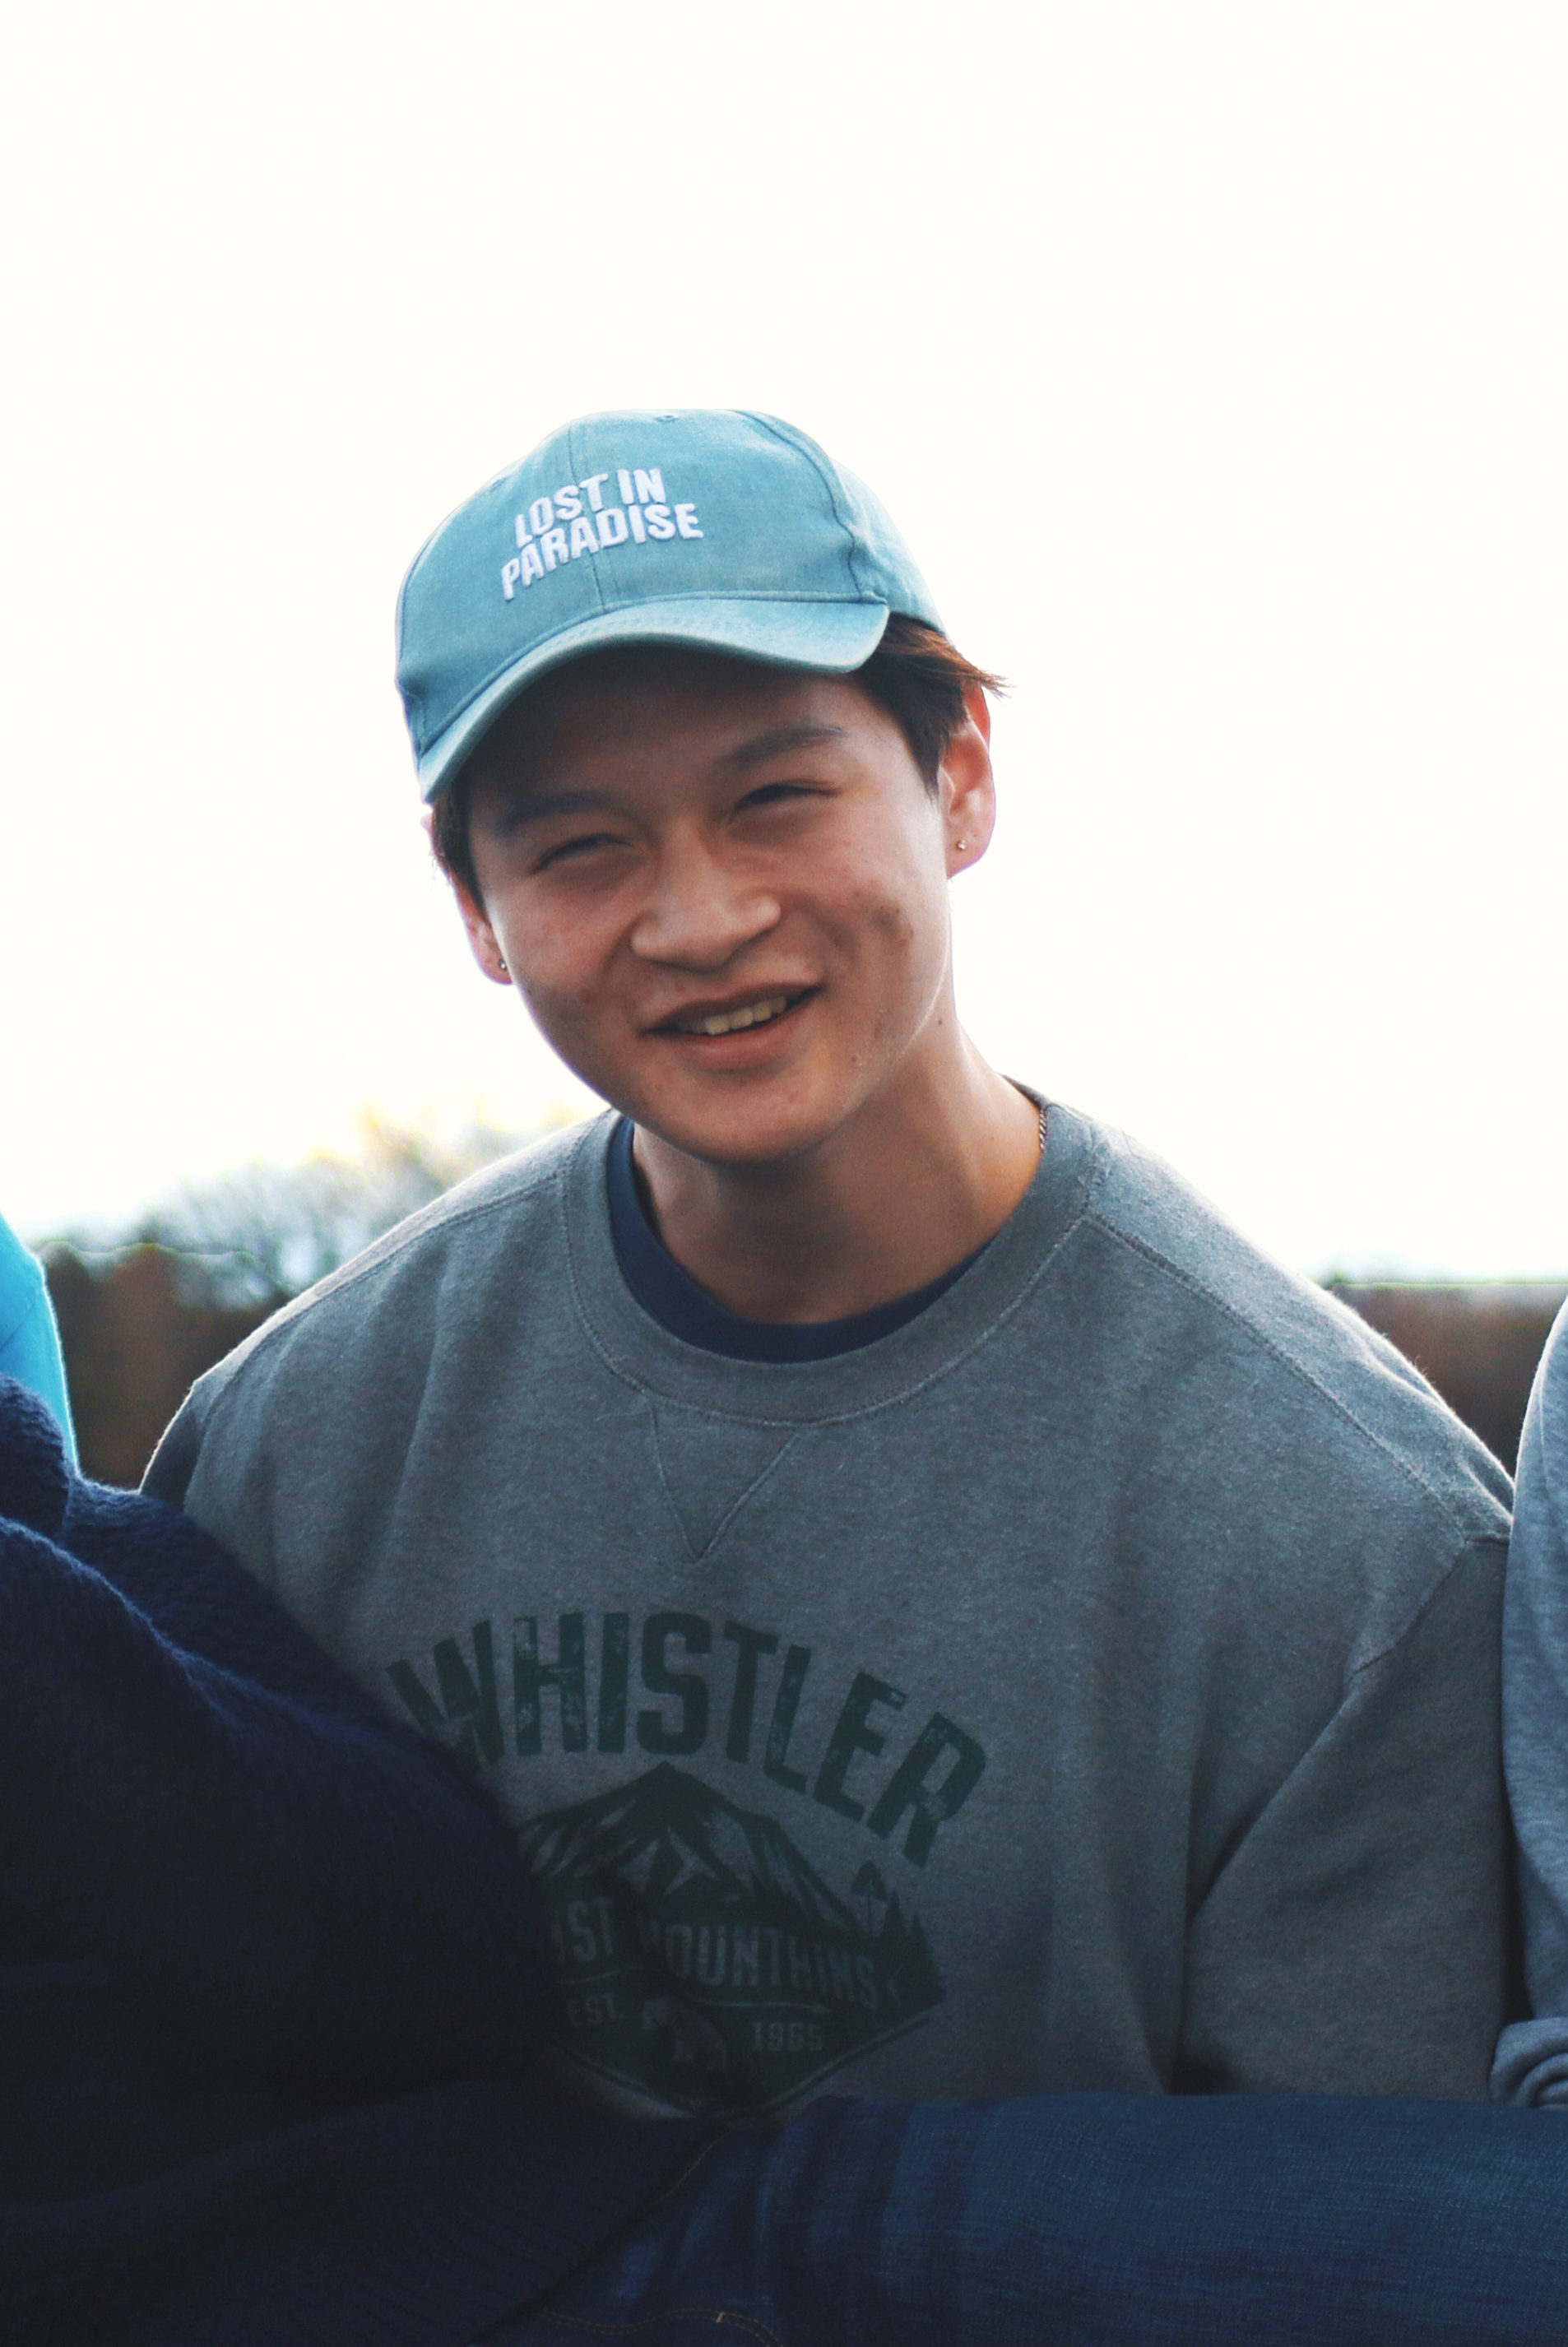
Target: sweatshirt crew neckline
x: 670, y: 1295
x: 992, y: 1286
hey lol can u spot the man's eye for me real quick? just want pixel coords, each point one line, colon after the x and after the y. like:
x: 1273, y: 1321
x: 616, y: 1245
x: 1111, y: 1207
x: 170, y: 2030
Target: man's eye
x: 570, y: 848
x: 778, y: 794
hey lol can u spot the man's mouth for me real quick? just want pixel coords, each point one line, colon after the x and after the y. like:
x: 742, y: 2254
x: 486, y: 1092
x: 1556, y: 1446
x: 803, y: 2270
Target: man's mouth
x: 759, y: 1013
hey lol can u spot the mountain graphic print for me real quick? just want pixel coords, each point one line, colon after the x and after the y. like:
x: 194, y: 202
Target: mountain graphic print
x: 699, y: 1960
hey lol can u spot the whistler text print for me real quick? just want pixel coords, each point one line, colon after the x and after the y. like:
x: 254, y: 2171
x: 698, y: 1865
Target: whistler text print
x: 700, y: 1959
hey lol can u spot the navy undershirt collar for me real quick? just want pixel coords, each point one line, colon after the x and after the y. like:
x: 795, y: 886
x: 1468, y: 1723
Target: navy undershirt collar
x: 673, y: 1298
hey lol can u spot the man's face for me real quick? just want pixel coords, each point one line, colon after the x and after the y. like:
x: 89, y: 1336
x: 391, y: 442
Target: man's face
x: 721, y: 890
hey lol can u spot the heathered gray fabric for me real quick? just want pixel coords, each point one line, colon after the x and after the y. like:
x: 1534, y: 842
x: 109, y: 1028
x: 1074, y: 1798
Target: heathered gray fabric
x: 1533, y: 2055
x: 1092, y: 1684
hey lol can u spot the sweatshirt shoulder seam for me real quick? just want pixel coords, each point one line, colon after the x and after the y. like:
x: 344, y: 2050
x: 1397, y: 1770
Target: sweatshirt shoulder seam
x: 1466, y: 1532
x: 1466, y: 1551
x: 351, y: 1277
x: 965, y: 1352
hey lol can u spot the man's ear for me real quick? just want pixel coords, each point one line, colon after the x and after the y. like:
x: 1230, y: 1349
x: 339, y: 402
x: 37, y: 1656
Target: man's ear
x: 980, y: 711
x: 482, y: 940
x: 968, y: 785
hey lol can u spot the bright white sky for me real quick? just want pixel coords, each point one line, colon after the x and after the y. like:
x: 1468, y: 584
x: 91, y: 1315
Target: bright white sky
x: 1212, y: 359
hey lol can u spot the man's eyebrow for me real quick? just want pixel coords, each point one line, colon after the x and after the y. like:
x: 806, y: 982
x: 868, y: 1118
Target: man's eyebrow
x: 776, y: 740
x: 522, y: 805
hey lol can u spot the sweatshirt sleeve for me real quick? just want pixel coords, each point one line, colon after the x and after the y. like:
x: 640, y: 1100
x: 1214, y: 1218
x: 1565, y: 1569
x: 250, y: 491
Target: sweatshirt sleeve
x: 1532, y: 2064
x: 29, y: 1340
x: 194, y: 1796
x: 1358, y: 1938
x: 172, y: 1464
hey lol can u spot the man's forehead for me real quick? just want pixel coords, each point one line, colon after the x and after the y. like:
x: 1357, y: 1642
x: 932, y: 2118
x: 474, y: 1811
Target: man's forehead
x: 739, y: 714
x: 668, y: 673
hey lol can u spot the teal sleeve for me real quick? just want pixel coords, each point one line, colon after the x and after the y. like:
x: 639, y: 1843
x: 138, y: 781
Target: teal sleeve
x: 29, y: 1340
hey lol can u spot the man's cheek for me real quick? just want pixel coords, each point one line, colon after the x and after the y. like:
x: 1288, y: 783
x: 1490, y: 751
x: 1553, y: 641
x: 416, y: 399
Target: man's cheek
x: 565, y: 1019
x: 895, y: 919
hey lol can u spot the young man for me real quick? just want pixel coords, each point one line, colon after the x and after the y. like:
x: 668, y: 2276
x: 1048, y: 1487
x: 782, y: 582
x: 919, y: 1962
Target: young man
x: 946, y: 1615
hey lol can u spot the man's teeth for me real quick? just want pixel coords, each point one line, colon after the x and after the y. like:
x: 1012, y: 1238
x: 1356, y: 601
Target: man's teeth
x: 750, y: 1014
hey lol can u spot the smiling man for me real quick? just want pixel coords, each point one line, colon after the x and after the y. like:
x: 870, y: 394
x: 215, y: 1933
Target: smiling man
x: 723, y: 891
x: 946, y: 1615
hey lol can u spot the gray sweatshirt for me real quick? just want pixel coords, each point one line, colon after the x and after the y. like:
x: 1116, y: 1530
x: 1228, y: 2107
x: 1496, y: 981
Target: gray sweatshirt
x: 1092, y: 1684
x: 1533, y: 2055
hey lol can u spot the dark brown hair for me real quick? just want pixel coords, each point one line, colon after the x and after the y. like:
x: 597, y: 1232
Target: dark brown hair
x: 915, y: 674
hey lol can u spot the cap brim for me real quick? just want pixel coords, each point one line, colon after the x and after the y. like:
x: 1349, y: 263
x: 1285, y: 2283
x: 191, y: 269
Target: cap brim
x: 832, y: 637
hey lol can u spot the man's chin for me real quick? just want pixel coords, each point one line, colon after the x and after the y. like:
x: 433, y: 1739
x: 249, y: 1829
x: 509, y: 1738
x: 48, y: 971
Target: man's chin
x: 735, y: 1137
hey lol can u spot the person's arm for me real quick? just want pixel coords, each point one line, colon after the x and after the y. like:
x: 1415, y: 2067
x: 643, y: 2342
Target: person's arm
x: 196, y: 1796
x: 1532, y: 2064
x: 29, y: 1340
x: 1358, y: 1938
x: 173, y: 1463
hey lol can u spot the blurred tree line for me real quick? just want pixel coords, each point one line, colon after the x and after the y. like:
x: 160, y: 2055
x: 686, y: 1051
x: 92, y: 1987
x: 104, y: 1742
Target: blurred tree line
x: 1478, y: 1345
x: 266, y: 1233
x: 146, y: 1307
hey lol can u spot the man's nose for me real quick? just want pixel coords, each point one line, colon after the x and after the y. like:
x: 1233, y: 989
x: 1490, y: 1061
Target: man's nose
x: 699, y: 911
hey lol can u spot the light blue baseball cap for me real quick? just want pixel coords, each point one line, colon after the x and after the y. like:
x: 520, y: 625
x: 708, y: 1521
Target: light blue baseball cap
x: 704, y: 527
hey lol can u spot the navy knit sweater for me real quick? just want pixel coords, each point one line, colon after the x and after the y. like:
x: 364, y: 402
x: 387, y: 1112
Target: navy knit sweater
x: 269, y: 1972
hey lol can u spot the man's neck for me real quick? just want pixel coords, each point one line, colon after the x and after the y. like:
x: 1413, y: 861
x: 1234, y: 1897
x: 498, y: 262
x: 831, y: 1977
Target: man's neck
x: 914, y: 1185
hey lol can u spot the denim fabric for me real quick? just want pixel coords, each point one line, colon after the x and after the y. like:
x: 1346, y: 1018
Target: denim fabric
x: 1083, y: 2220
